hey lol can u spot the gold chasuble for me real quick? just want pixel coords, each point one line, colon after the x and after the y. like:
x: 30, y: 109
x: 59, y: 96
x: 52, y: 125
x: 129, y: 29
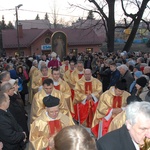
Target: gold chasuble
x: 117, y: 121
x: 76, y: 76
x: 64, y: 68
x: 32, y: 74
x: 67, y: 76
x: 63, y: 87
x: 38, y: 79
x: 37, y: 105
x: 103, y: 114
x: 85, y: 109
x: 43, y: 128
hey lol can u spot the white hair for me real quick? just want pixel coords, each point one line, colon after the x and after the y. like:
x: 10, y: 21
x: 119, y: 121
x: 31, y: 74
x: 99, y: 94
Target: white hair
x: 34, y: 62
x: 124, y: 67
x: 137, y: 110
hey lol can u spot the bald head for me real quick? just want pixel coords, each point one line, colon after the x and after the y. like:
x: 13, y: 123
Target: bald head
x: 87, y: 74
x: 146, y: 70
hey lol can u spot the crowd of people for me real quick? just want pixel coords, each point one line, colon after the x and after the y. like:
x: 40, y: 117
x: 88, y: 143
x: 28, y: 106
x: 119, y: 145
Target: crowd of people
x: 92, y: 101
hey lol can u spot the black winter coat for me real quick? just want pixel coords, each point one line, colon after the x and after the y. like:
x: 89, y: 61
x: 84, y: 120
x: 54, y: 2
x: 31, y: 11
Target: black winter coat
x: 119, y: 139
x: 16, y: 108
x: 10, y: 132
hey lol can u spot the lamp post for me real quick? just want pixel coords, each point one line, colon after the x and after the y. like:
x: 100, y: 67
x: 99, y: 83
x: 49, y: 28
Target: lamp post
x: 18, y: 41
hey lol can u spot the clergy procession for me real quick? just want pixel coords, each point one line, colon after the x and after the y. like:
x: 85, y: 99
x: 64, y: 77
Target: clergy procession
x: 92, y: 101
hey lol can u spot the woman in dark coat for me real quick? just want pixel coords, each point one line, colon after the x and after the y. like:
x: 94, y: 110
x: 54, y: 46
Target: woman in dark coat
x: 16, y: 107
x: 24, y: 80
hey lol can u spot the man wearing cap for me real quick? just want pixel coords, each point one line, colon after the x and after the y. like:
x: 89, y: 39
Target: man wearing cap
x: 48, y: 89
x: 141, y: 86
x: 48, y: 124
x: 110, y: 104
x: 54, y: 63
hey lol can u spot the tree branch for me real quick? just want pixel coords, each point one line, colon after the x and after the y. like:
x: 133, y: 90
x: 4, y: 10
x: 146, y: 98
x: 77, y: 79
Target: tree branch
x: 126, y: 25
x: 147, y: 23
x: 133, y: 16
x: 99, y: 8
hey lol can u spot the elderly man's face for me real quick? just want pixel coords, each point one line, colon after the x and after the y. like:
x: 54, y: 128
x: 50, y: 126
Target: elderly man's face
x: 140, y: 130
x: 80, y: 67
x: 87, y: 75
x: 122, y: 71
x: 44, y: 72
x: 53, y: 112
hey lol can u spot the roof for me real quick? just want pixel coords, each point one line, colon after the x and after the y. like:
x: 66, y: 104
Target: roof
x: 96, y: 25
x: 9, y: 37
x: 74, y: 37
x: 80, y: 36
x: 35, y: 24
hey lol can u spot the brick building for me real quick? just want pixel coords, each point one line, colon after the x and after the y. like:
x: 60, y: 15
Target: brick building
x: 38, y: 41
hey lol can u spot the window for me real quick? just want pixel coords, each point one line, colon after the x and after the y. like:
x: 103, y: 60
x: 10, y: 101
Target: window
x: 47, y: 40
x: 74, y: 51
x: 89, y: 50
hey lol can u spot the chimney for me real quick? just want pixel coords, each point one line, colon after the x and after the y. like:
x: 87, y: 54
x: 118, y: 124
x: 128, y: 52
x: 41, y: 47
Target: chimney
x: 20, y: 31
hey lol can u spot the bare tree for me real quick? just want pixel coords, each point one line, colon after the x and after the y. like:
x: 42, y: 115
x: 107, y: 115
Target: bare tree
x: 136, y: 19
x: 108, y: 18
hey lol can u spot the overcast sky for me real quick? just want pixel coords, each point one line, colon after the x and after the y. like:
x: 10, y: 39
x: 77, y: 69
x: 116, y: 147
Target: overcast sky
x: 31, y: 8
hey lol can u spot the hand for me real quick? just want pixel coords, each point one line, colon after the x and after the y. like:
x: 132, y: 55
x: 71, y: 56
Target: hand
x: 25, y: 136
x: 116, y: 111
x: 1, y: 145
x: 89, y: 97
x: 51, y: 141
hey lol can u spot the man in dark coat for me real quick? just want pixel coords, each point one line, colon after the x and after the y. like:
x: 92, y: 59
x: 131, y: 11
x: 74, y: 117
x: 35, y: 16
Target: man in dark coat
x: 131, y: 135
x: 115, y: 74
x: 16, y: 106
x: 126, y: 75
x: 11, y: 134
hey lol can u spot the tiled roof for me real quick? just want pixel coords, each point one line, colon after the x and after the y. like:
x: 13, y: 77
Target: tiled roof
x: 35, y: 24
x: 80, y: 36
x: 9, y: 37
x: 74, y: 37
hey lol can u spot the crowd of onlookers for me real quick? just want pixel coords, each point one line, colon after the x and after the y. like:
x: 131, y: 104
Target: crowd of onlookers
x: 132, y: 68
x: 107, y: 67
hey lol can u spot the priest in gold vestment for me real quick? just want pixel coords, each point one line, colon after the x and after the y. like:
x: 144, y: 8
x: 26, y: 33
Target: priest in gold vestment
x: 77, y: 74
x: 48, y: 89
x: 48, y: 124
x: 65, y: 66
x: 43, y: 74
x: 67, y: 74
x: 111, y: 103
x: 87, y: 93
x: 32, y: 74
x: 120, y: 119
x: 63, y: 87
